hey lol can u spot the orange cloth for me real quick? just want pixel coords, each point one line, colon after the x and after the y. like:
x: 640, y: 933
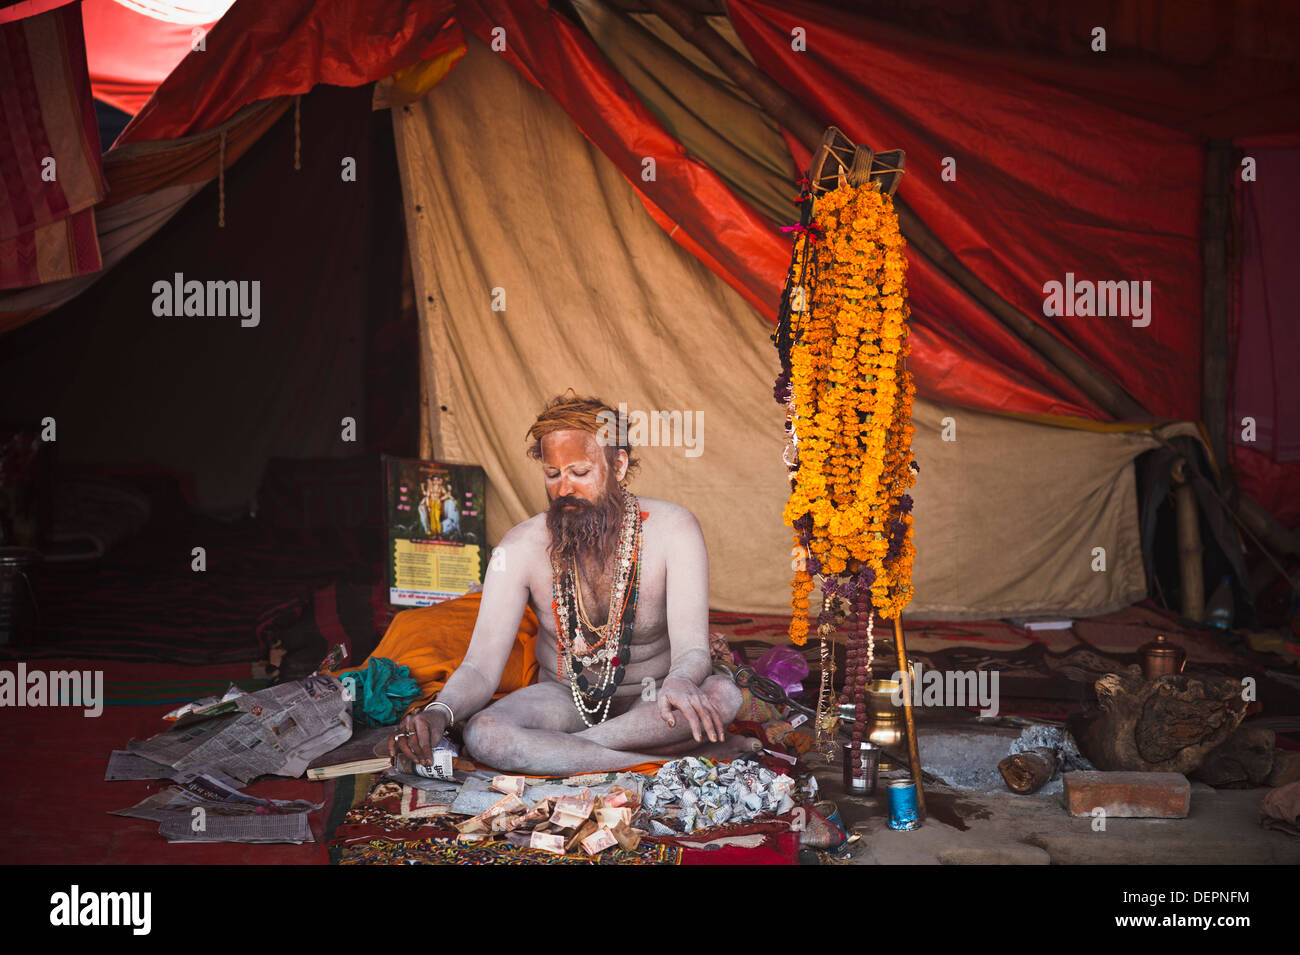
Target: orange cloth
x: 431, y: 642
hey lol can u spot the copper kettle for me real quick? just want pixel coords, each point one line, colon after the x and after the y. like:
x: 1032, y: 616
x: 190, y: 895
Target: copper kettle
x: 1161, y: 658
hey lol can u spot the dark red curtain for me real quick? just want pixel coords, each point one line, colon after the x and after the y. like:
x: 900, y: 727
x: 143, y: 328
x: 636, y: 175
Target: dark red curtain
x: 1215, y: 68
x: 1264, y: 423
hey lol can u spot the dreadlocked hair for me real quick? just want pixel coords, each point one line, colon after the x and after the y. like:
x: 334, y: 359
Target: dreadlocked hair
x: 574, y: 412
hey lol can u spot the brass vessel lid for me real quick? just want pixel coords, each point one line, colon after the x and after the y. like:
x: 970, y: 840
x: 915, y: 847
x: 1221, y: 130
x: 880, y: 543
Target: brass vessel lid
x: 1160, y: 647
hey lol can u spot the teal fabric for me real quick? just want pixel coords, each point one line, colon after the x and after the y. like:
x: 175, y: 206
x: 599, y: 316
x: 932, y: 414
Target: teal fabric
x: 380, y: 693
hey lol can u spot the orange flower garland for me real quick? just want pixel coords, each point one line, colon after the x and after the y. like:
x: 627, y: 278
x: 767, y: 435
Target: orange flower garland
x: 849, y: 396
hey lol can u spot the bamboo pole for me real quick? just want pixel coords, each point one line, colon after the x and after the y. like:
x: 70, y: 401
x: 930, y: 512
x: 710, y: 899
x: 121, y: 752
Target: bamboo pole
x: 913, y: 752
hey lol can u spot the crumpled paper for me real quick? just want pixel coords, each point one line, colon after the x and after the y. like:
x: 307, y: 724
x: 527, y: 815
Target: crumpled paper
x: 702, y: 793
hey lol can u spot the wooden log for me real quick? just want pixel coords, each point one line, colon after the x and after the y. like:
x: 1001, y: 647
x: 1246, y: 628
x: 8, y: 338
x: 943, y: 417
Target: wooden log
x: 1029, y: 771
x: 1169, y: 724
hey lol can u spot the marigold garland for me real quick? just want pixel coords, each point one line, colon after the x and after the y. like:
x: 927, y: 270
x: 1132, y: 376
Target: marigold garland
x: 844, y: 344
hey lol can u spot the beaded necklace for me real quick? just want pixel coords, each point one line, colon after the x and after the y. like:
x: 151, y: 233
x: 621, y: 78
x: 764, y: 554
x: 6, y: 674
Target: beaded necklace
x: 593, y: 667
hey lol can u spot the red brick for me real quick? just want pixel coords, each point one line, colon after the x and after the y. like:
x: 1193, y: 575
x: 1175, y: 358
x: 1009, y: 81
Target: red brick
x: 1138, y: 795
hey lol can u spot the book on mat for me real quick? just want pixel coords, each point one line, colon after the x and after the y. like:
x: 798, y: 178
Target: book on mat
x: 365, y: 752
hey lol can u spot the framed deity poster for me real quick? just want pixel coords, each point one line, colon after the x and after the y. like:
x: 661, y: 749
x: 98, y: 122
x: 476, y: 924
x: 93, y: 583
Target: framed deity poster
x: 437, y: 530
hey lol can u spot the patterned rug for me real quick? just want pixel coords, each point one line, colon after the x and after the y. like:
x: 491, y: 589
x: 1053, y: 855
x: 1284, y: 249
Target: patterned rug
x: 434, y: 851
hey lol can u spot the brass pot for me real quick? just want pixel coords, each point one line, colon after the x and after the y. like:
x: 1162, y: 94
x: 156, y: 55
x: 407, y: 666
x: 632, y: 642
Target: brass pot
x: 885, y: 723
x: 880, y: 701
x: 1161, y: 658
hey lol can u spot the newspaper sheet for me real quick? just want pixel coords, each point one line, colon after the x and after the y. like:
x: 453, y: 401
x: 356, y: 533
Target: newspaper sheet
x: 213, y: 796
x: 205, y: 809
x: 276, y: 731
x: 127, y: 765
x: 291, y: 827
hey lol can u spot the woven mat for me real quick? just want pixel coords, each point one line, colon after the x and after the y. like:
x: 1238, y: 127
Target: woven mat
x: 435, y: 851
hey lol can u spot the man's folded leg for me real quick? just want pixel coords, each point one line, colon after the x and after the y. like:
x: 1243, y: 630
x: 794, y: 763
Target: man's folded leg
x: 644, y: 728
x: 535, y: 730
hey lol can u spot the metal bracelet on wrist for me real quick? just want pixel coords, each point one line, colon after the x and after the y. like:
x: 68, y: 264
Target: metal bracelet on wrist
x: 451, y: 716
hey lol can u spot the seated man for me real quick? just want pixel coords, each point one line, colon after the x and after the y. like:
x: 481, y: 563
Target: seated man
x: 620, y: 587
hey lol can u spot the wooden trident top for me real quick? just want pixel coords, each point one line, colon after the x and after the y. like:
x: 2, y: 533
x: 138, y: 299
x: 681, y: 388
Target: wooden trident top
x: 838, y: 157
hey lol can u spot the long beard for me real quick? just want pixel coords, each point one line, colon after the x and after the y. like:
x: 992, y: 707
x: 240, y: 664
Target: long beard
x: 588, y: 533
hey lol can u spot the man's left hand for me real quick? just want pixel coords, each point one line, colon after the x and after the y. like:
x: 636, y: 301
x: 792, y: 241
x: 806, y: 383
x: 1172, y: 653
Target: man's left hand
x: 678, y: 695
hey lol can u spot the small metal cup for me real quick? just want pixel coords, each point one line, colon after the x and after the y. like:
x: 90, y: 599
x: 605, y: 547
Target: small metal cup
x: 866, y: 755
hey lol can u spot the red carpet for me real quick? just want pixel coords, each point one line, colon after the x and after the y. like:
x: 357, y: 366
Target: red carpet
x: 55, y: 801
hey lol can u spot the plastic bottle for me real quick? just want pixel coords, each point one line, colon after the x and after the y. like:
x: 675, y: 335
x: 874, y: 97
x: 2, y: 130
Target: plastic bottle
x: 1218, y: 612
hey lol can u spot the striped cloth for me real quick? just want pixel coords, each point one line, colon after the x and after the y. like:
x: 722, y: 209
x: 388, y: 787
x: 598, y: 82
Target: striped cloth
x: 51, y: 176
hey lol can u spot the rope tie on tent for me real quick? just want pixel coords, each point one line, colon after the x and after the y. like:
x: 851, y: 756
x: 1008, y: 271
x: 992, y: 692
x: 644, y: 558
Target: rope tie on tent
x: 297, y: 131
x: 221, y: 181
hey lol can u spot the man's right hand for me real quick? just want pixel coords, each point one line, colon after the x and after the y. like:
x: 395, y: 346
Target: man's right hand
x: 425, y: 729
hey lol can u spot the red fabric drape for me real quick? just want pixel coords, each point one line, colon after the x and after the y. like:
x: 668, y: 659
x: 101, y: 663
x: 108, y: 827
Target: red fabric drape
x: 1047, y: 183
x: 129, y: 53
x: 259, y: 50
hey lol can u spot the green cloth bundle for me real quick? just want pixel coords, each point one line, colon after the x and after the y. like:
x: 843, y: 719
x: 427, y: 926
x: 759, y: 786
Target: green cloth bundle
x: 380, y: 693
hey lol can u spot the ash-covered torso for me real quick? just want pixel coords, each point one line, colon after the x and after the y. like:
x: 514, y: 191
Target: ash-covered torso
x: 649, y: 652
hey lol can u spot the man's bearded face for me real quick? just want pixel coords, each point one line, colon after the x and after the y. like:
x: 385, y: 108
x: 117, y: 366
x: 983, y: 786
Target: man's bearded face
x: 586, y: 509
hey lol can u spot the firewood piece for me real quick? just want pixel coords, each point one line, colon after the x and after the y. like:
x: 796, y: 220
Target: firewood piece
x: 1165, y: 725
x: 1029, y: 771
